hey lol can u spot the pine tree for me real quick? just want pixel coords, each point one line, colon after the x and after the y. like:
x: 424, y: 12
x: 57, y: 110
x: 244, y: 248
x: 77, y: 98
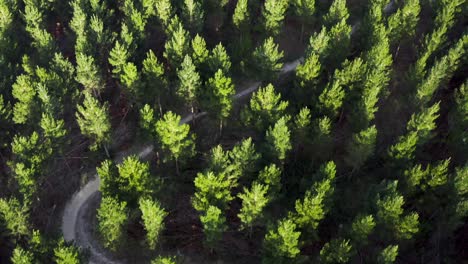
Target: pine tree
x: 265, y: 108
x: 281, y: 244
x: 220, y: 92
x: 338, y: 250
x: 193, y: 15
x: 26, y: 106
x: 270, y: 176
x: 200, y: 53
x: 308, y: 72
x: 130, y: 80
x: 302, y: 125
x: 361, y: 147
x: 164, y: 11
x: 219, y: 159
x: 337, y: 12
x: 460, y: 183
x: 16, y: 216
x: 189, y: 83
x: 241, y: 16
x: 214, y: 224
x: 331, y: 99
x: 92, y: 117
x: 361, y: 228
x: 338, y: 45
x: 273, y: 15
x: 212, y: 190
x: 177, y: 46
x: 279, y: 139
x: 317, y: 201
x: 402, y: 24
x: 134, y: 178
x: 219, y: 60
x: 112, y: 217
x: 153, y: 216
x: 64, y: 254
x: 53, y: 129
x: 388, y: 255
x: 253, y: 202
x: 155, y: 82
x: 88, y: 74
x: 118, y: 58
x: 419, y: 131
x: 266, y: 59
x: 442, y: 70
x: 305, y: 10
x: 147, y: 122
x: 244, y: 157
x: 174, y: 137
x: 21, y: 256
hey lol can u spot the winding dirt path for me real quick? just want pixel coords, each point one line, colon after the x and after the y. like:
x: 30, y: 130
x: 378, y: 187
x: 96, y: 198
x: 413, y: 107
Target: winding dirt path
x: 75, y: 221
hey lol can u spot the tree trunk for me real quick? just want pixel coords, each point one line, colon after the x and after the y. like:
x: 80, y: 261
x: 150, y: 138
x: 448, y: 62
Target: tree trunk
x: 160, y: 107
x: 107, y: 151
x: 220, y: 127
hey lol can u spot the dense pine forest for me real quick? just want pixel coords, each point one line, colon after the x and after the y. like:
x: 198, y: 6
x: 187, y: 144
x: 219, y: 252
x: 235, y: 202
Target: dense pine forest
x: 233, y: 131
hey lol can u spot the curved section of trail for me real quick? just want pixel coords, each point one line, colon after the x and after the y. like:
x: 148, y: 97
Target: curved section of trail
x: 75, y: 221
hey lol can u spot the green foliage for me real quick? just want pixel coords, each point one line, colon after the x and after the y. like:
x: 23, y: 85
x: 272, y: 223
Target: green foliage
x: 200, y: 53
x: 281, y: 244
x: 108, y: 175
x: 189, y: 82
x: 308, y: 72
x: 419, y: 131
x: 270, y: 176
x: 219, y: 95
x: 253, y: 202
x: 93, y: 119
x: 134, y: 177
x: 338, y: 45
x: 16, y: 216
x: 155, y: 83
x: 241, y: 17
x: 147, y: 121
x: 361, y: 147
x: 219, y: 59
x: 441, y: 72
x: 302, y: 122
x: 244, y: 157
x: 214, y: 224
x: 164, y: 11
x: 304, y: 9
x: 402, y: 24
x: 337, y: 12
x: 461, y: 193
x: 331, y: 99
x: 53, y: 128
x: 21, y: 256
x: 318, y: 44
x: 64, y: 254
x: 88, y: 74
x: 177, y: 46
x: 279, y: 138
x: 175, y: 137
x: 317, y: 201
x: 361, y: 228
x: 266, y: 59
x: 218, y: 159
x: 336, y: 251
x: 24, y: 92
x: 118, y: 58
x: 193, y: 15
x: 265, y: 108
x: 212, y: 190
x: 153, y: 216
x: 273, y: 15
x: 389, y: 205
x: 164, y: 260
x: 388, y: 255
x: 112, y: 217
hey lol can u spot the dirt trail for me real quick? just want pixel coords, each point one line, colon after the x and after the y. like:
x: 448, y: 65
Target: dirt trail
x: 75, y: 225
